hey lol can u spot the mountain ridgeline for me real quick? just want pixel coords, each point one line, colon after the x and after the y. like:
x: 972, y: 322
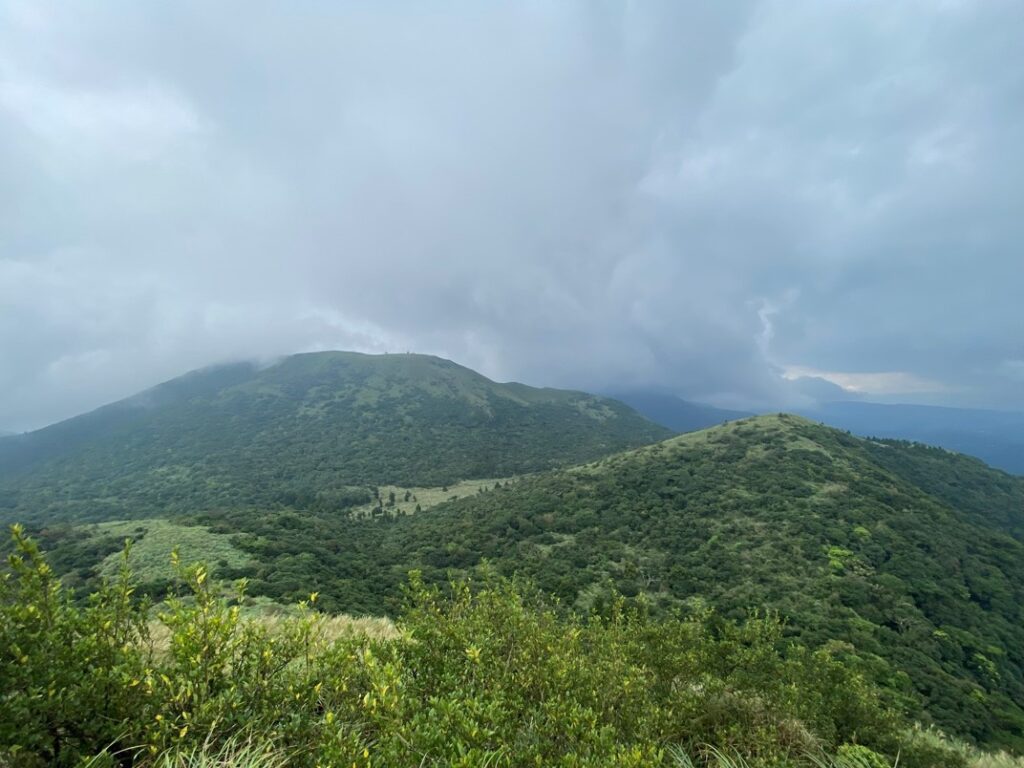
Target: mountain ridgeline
x: 907, y: 559
x: 996, y: 437
x: 675, y: 413
x: 312, y: 431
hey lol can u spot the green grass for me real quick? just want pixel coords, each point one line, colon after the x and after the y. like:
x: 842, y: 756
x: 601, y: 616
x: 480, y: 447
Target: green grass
x: 424, y: 497
x: 154, y: 540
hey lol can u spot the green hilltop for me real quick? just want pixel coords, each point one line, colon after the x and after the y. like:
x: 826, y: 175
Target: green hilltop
x: 853, y: 542
x: 311, y: 431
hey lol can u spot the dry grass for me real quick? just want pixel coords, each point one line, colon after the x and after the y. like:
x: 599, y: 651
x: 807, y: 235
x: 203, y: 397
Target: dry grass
x: 997, y: 760
x: 327, y: 629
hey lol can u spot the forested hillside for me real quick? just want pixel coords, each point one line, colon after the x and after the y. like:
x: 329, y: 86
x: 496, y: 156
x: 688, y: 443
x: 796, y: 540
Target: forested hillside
x: 851, y: 541
x: 336, y: 474
x: 311, y: 432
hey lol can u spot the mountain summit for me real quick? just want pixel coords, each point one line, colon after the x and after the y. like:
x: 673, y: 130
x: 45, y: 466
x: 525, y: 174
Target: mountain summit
x: 304, y: 430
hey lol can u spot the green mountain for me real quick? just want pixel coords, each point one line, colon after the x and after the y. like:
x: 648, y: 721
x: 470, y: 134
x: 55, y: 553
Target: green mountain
x: 312, y: 432
x: 910, y: 558
x: 906, y: 560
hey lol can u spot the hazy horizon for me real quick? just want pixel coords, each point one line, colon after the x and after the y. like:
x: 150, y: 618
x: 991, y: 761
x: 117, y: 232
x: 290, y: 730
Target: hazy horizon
x: 842, y: 397
x: 756, y: 205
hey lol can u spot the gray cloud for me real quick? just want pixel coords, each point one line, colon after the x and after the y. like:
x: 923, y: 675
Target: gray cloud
x: 699, y: 196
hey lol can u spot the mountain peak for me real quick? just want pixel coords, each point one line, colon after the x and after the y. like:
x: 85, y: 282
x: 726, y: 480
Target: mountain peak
x: 305, y: 430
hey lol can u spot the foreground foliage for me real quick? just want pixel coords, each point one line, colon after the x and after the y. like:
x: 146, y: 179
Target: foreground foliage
x: 484, y: 674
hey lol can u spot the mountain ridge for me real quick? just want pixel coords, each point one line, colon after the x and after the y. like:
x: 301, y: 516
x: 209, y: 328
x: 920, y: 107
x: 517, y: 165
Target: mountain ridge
x: 674, y: 412
x: 315, y: 425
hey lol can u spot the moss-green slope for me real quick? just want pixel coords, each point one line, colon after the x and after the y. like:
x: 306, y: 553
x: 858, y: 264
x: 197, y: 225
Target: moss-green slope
x: 309, y: 432
x: 766, y: 513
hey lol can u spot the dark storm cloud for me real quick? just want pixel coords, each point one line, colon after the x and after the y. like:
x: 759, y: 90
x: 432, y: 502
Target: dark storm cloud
x: 718, y: 197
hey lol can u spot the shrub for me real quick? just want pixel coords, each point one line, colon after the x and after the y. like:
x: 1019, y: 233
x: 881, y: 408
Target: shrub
x: 485, y: 673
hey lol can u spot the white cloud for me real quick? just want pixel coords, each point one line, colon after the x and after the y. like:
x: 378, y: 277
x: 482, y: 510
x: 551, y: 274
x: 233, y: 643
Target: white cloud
x: 869, y: 383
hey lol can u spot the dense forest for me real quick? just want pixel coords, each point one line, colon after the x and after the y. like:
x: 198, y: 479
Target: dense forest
x: 481, y: 673
x: 302, y: 433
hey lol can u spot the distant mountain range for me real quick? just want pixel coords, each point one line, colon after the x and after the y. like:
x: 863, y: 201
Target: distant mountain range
x: 996, y: 437
x: 675, y: 413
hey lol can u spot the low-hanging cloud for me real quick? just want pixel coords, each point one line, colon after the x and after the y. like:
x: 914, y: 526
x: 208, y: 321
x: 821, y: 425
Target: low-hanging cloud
x: 705, y: 197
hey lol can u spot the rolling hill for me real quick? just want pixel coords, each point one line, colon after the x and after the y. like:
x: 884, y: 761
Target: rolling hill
x: 311, y: 431
x: 909, y: 558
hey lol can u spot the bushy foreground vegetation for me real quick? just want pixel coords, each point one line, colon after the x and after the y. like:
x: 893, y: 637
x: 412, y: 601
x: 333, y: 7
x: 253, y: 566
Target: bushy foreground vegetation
x: 482, y: 673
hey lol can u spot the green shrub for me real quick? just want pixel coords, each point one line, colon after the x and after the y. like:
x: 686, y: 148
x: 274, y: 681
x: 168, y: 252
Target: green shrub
x: 486, y: 673
x: 66, y: 671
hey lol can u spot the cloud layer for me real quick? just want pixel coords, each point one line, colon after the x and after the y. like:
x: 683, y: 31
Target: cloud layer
x: 708, y: 197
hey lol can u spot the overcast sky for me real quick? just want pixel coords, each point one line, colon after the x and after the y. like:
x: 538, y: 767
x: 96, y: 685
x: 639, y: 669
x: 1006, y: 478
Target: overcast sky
x: 723, y: 199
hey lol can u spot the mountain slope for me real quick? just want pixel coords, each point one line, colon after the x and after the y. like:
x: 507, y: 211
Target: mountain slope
x: 996, y: 437
x: 675, y: 413
x: 851, y: 541
x: 312, y: 430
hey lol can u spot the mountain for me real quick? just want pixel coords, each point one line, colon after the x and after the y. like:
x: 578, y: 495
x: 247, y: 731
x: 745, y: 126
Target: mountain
x: 997, y: 437
x: 907, y: 559
x: 312, y: 430
x: 675, y: 413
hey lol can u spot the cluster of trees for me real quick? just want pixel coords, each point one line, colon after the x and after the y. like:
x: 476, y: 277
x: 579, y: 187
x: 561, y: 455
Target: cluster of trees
x: 484, y: 673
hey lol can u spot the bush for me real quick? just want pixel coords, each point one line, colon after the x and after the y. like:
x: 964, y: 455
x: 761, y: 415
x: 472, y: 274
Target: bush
x: 486, y: 673
x: 68, y: 674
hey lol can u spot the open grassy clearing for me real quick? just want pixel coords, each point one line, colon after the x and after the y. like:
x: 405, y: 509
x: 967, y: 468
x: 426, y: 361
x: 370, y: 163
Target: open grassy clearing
x: 152, y: 543
x: 398, y: 500
x: 275, y: 618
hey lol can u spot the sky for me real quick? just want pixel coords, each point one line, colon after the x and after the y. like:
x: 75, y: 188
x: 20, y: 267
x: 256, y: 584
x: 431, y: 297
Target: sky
x: 751, y: 204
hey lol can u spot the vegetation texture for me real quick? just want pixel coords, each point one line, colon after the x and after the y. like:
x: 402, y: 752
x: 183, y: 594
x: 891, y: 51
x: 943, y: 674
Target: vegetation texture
x: 485, y: 675
x: 341, y: 473
x: 311, y: 432
x: 907, y: 558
